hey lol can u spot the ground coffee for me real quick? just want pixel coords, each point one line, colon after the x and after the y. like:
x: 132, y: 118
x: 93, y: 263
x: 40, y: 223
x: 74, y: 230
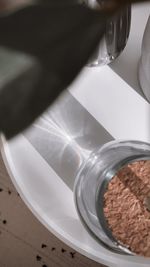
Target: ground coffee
x: 127, y: 205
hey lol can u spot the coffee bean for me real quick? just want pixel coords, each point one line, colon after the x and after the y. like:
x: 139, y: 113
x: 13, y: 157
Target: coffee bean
x: 38, y: 258
x: 43, y: 246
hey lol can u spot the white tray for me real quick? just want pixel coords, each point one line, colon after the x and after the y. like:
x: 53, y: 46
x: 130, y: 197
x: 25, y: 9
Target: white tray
x: 99, y: 106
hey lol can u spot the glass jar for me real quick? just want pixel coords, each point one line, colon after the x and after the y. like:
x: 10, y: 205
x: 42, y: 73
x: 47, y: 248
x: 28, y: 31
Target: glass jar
x: 90, y: 186
x: 115, y: 37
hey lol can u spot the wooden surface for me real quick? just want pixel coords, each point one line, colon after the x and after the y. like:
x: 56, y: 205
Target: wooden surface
x: 24, y: 241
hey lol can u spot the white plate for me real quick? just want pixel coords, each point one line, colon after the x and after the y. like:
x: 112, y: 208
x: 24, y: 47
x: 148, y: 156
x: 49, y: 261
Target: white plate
x: 99, y: 106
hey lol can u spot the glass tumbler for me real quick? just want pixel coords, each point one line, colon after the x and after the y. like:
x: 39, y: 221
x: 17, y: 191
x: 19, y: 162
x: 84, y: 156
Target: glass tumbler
x: 90, y: 186
x: 144, y: 63
x: 116, y: 35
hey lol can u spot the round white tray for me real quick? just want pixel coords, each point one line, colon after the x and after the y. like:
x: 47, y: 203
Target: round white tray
x: 116, y: 110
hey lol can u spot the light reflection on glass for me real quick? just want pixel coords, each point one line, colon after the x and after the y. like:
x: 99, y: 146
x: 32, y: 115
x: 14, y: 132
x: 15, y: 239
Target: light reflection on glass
x: 65, y: 136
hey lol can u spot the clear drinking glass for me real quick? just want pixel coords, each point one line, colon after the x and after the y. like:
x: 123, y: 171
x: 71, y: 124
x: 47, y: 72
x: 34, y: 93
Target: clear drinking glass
x: 144, y: 63
x: 115, y: 38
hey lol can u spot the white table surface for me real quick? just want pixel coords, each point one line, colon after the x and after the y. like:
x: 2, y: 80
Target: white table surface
x: 111, y: 98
